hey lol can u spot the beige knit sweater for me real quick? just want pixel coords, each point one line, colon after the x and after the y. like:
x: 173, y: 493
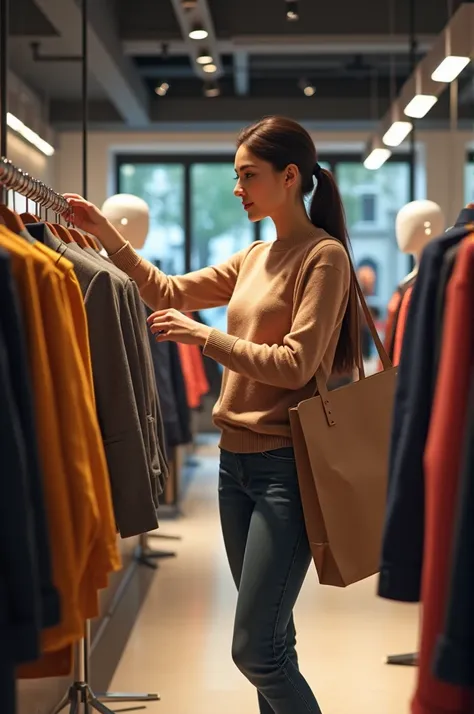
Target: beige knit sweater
x: 286, y: 304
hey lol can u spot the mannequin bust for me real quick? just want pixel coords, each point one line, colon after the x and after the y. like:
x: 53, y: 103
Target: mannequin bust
x: 130, y: 215
x: 417, y: 224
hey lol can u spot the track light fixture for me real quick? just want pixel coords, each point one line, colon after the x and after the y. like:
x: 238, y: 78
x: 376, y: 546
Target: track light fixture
x: 198, y: 32
x: 162, y: 89
x: 211, y: 89
x: 204, y: 57
x: 308, y: 89
x: 292, y: 14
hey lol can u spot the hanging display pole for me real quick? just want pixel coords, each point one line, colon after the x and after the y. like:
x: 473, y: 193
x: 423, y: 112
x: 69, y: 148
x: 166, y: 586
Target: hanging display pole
x: 3, y: 83
x: 85, y: 97
x: 410, y: 659
x: 413, y: 48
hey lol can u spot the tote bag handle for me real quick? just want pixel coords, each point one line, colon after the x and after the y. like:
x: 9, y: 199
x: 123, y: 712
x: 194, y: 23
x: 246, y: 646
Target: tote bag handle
x: 382, y: 352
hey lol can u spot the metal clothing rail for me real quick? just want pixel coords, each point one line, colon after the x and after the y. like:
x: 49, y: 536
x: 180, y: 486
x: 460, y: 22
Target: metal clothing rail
x: 14, y: 179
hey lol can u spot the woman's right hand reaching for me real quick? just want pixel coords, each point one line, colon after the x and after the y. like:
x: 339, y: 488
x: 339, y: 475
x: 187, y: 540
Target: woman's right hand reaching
x: 89, y: 218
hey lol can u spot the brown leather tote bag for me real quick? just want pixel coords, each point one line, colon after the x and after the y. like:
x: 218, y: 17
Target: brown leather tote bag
x: 341, y: 441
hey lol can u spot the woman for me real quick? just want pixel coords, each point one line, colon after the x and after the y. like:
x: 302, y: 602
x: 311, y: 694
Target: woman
x: 292, y: 310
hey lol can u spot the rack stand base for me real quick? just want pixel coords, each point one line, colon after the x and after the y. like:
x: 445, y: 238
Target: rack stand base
x: 80, y: 693
x: 403, y: 660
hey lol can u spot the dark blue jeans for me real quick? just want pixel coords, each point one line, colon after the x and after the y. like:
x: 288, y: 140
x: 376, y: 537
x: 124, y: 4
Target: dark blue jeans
x: 269, y: 555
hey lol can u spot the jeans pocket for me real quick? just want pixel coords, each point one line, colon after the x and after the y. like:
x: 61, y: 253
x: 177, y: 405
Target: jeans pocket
x: 285, y: 455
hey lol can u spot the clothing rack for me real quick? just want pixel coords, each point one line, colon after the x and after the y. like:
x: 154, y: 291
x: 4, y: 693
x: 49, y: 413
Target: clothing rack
x: 13, y: 178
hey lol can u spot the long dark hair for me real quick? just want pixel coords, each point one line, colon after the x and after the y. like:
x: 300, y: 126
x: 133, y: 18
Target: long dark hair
x: 280, y: 142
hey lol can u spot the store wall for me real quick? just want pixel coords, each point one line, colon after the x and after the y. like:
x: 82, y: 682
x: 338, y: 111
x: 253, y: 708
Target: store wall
x: 442, y: 157
x: 29, y: 159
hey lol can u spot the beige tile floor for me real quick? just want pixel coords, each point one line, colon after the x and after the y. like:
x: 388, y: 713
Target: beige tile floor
x: 180, y: 645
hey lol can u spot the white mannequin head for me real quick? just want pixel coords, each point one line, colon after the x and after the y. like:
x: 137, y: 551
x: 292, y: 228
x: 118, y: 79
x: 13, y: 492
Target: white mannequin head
x: 130, y: 215
x: 417, y: 224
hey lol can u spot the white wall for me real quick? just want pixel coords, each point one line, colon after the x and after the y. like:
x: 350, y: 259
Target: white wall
x: 441, y: 159
x: 30, y: 160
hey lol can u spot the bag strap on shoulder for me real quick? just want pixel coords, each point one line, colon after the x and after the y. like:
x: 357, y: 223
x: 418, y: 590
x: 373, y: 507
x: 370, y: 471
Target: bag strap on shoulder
x: 382, y: 352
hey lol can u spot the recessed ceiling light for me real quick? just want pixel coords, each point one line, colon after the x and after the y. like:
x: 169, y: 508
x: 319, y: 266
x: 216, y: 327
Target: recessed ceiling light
x: 198, y: 33
x: 450, y: 68
x: 211, y: 89
x: 292, y: 13
x: 162, y: 89
x: 210, y: 68
x: 377, y: 158
x: 204, y: 57
x: 397, y: 133
x: 308, y: 89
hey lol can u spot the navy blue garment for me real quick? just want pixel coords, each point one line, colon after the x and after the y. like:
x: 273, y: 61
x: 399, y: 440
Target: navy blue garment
x: 402, y: 548
x: 19, y: 387
x: 454, y: 655
x: 19, y: 583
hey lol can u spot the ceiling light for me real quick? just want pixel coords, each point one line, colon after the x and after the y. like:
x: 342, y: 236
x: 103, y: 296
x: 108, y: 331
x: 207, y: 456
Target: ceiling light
x: 204, y: 57
x: 162, y: 89
x: 377, y: 158
x: 29, y: 135
x: 450, y: 68
x: 292, y: 13
x: 210, y: 68
x: 307, y: 88
x: 420, y: 105
x: 189, y: 4
x: 397, y: 133
x: 198, y: 33
x: 211, y: 89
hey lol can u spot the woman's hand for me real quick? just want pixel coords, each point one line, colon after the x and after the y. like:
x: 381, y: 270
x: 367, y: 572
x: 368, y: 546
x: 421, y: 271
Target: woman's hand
x: 172, y: 326
x: 90, y: 219
x: 87, y: 217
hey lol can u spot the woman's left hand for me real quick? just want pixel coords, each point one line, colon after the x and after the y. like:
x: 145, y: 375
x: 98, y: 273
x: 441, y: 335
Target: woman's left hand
x: 172, y: 326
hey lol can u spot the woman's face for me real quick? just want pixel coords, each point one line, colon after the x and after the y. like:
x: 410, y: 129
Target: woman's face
x: 261, y: 189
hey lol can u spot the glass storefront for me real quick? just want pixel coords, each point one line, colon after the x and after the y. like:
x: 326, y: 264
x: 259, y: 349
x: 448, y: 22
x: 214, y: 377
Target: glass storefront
x: 195, y: 220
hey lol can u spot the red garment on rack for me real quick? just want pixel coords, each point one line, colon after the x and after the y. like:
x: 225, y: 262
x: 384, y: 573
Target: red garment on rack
x: 442, y: 463
x: 391, y: 322
x: 192, y: 364
x: 400, y: 327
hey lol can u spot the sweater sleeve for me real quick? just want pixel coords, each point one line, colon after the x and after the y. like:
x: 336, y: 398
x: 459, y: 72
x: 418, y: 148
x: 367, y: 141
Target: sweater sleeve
x: 210, y: 287
x: 320, y: 303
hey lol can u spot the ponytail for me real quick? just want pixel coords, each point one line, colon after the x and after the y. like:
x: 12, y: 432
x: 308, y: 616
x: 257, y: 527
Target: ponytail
x: 327, y: 212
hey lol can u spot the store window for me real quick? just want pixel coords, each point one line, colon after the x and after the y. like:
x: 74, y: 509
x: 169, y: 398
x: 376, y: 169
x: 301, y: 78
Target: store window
x: 372, y: 200
x: 161, y: 185
x: 219, y: 226
x: 469, y: 179
x: 195, y: 219
x: 368, y: 205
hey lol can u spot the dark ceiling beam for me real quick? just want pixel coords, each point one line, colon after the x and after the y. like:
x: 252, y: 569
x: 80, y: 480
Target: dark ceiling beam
x: 114, y: 71
x: 283, y: 45
x: 236, y: 111
x: 200, y: 14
